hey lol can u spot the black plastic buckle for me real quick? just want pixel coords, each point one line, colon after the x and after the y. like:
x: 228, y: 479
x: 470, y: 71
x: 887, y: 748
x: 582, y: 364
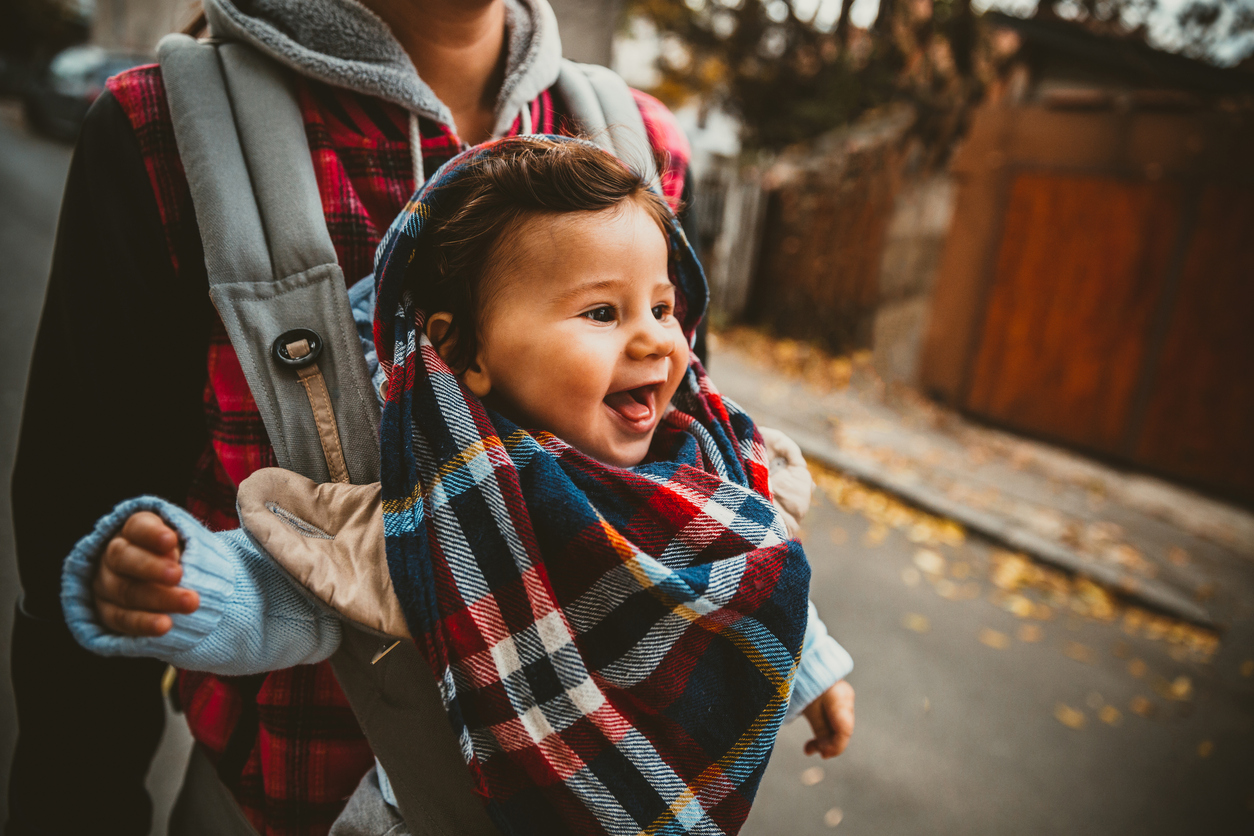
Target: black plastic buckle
x: 279, y: 347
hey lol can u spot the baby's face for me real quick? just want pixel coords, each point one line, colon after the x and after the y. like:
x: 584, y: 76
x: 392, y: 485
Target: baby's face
x: 579, y: 336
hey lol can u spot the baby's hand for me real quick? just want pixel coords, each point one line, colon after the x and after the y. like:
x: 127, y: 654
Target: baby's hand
x: 831, y: 720
x: 136, y: 585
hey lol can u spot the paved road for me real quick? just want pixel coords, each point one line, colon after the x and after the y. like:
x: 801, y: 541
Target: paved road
x: 32, y: 176
x: 955, y: 736
x: 958, y: 716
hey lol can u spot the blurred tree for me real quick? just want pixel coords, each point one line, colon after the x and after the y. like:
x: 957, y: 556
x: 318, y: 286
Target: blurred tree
x: 789, y: 75
x: 789, y: 72
x: 1218, y: 30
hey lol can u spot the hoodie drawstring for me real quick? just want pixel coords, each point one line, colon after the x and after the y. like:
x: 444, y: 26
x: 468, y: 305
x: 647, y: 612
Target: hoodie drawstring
x: 415, y: 151
x: 526, y: 125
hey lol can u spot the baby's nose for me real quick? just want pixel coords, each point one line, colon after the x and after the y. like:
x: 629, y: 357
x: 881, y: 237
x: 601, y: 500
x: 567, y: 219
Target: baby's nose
x: 652, y: 339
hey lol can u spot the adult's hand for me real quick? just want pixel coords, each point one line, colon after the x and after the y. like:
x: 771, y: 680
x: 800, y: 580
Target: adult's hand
x: 136, y: 587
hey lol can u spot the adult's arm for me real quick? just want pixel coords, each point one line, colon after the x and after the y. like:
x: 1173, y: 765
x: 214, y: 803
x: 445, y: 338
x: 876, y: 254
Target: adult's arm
x: 113, y: 409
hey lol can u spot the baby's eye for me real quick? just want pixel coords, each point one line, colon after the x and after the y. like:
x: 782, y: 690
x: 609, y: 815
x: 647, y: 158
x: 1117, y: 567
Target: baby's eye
x: 605, y: 313
x: 661, y: 311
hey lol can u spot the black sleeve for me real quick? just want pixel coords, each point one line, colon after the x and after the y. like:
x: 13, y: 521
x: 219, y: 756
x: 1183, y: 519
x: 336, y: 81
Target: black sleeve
x: 113, y: 410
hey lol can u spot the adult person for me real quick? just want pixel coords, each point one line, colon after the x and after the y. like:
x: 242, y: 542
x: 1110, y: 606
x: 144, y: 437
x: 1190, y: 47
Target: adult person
x: 127, y: 307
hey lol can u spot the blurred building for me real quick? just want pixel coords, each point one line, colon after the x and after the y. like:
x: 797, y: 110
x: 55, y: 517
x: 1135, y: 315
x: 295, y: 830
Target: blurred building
x: 1097, y: 284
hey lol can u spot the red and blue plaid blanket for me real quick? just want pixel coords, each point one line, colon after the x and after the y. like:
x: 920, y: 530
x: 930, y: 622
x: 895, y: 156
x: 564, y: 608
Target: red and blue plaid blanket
x: 614, y: 646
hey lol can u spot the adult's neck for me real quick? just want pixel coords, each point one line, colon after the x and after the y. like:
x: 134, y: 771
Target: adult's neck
x: 458, y: 48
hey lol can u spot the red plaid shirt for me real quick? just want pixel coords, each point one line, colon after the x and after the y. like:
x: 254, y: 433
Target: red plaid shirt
x: 287, y: 742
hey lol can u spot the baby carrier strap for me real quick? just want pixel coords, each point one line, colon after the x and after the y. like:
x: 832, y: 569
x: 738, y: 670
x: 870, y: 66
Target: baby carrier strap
x: 602, y: 106
x: 275, y: 280
x: 273, y: 272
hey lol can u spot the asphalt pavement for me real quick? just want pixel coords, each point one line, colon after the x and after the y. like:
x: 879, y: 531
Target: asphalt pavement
x: 988, y: 702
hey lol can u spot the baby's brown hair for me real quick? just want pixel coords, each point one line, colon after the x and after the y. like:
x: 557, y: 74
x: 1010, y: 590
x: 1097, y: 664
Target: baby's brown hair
x: 479, y: 210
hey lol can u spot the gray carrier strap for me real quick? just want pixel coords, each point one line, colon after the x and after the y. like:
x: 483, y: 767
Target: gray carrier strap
x: 606, y: 112
x: 272, y: 269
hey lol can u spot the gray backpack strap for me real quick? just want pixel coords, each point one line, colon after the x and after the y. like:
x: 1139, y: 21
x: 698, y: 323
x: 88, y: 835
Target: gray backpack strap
x: 272, y: 269
x: 606, y: 112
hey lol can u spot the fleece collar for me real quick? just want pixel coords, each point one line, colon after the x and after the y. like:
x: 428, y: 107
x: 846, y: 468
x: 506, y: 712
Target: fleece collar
x: 344, y: 44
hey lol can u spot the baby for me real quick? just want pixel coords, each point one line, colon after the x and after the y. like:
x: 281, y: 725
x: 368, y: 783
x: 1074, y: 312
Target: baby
x: 545, y: 282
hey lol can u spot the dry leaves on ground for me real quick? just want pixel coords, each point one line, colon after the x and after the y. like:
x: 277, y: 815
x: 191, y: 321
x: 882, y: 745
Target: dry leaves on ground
x: 1070, y: 717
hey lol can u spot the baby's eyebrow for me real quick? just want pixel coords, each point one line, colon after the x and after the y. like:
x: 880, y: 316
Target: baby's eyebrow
x: 585, y: 287
x: 603, y: 284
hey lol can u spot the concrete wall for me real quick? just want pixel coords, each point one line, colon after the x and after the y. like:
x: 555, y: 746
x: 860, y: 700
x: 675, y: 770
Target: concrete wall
x: 913, y: 245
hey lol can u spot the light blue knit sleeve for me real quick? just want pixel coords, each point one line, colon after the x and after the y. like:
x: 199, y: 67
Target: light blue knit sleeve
x: 361, y: 303
x: 252, y: 616
x: 823, y: 663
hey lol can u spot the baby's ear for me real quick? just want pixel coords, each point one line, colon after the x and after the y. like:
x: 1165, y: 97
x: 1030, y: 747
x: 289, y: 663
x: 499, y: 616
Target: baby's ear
x: 442, y: 334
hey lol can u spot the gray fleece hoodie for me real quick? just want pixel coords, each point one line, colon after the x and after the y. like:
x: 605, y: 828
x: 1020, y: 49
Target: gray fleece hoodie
x: 344, y: 44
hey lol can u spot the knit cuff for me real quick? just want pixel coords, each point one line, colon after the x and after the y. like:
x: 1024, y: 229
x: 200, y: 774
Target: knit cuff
x: 205, y: 570
x: 823, y: 663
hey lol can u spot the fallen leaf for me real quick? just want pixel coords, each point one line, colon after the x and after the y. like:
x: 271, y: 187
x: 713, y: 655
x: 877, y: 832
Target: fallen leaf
x: 994, y: 639
x: 875, y: 534
x: 929, y: 561
x: 1142, y: 707
x: 1137, y: 668
x: 1181, y: 688
x: 812, y: 776
x: 917, y: 623
x: 1010, y: 571
x: 1029, y: 633
x: 1019, y: 605
x: 919, y: 533
x: 1110, y: 715
x: 927, y: 705
x: 1079, y: 652
x: 967, y: 592
x: 833, y: 817
x: 1070, y: 717
x: 1205, y: 748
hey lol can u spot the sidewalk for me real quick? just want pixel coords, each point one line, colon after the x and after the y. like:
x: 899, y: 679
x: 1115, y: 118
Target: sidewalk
x: 1162, y: 545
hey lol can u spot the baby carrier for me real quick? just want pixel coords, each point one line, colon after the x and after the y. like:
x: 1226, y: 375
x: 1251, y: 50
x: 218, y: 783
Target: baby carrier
x: 275, y: 281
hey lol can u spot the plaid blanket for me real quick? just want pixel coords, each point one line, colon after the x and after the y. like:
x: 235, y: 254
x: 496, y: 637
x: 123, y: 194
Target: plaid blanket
x: 614, y: 646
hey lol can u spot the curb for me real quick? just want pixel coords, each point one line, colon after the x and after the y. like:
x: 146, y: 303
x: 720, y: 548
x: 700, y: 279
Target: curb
x: 1149, y: 592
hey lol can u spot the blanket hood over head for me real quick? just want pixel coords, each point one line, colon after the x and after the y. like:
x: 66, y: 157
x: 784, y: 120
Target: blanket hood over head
x: 614, y: 647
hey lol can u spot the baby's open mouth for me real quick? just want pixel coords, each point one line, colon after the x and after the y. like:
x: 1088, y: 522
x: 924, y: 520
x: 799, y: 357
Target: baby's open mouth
x: 637, y: 407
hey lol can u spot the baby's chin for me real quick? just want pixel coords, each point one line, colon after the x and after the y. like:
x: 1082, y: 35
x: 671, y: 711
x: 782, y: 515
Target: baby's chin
x: 615, y: 453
